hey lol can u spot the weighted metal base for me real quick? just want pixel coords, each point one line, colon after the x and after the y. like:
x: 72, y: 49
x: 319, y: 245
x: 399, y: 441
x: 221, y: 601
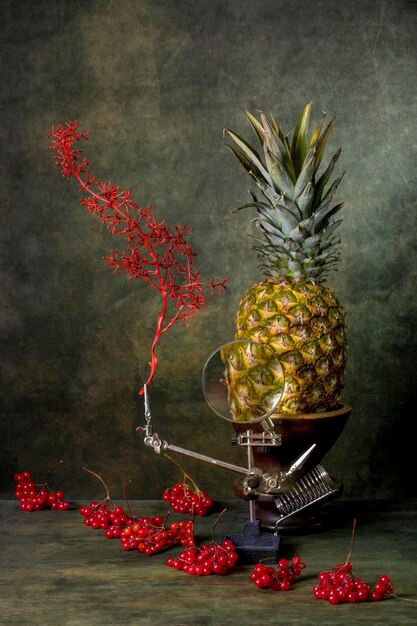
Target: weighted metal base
x: 253, y: 545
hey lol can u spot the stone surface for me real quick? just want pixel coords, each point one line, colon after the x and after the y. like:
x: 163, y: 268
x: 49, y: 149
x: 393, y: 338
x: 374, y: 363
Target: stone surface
x: 54, y: 570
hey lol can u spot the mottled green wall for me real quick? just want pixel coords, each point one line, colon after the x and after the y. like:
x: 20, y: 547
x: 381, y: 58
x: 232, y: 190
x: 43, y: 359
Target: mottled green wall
x: 157, y: 81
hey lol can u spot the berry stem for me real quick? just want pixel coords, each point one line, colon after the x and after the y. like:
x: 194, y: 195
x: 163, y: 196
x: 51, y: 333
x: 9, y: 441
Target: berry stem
x: 164, y: 523
x: 394, y: 595
x: 48, y: 473
x: 129, y: 482
x: 215, y: 524
x: 184, y: 473
x: 45, y: 484
x: 351, y: 542
x: 108, y: 498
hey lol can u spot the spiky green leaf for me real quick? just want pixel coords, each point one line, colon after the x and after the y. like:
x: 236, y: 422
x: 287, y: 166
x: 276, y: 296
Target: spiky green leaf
x: 299, y: 140
x: 322, y: 143
x: 332, y: 189
x: 257, y: 127
x: 298, y: 233
x: 316, y: 134
x: 305, y: 200
x: 271, y: 140
x: 324, y: 178
x: 268, y: 190
x: 250, y: 205
x: 251, y: 154
x: 305, y: 175
x: 328, y: 232
x: 283, y: 219
x: 282, y: 182
x: 322, y: 216
x: 249, y: 167
x: 311, y: 242
x: 285, y: 148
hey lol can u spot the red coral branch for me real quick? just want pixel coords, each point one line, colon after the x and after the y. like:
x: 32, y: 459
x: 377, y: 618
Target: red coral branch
x: 155, y: 253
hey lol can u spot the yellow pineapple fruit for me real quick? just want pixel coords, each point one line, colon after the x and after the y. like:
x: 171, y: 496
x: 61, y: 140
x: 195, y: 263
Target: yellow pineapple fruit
x: 292, y: 310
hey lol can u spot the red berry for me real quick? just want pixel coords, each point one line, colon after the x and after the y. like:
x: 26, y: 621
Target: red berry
x: 186, y: 500
x: 380, y: 588
x: 385, y: 579
x: 33, y: 499
x: 280, y: 578
x: 341, y: 582
x: 206, y: 559
x: 376, y: 596
x: 333, y: 597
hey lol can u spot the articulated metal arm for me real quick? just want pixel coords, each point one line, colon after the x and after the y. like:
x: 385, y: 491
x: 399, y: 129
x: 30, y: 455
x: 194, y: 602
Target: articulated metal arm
x: 157, y: 444
x: 256, y: 481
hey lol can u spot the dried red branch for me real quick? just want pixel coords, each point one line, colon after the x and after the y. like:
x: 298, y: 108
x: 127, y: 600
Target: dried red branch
x: 155, y: 253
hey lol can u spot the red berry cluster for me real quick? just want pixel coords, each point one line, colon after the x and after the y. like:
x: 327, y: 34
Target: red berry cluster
x: 105, y: 516
x: 37, y: 497
x: 279, y: 579
x: 213, y: 558
x: 339, y: 586
x: 183, y: 499
x: 149, y: 535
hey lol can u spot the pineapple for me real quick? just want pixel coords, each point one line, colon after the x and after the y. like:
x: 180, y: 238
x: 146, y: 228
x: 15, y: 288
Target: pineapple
x: 254, y: 378
x: 292, y: 310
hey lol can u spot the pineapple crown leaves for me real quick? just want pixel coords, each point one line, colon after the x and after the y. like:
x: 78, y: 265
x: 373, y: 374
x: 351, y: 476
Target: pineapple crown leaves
x: 295, y: 204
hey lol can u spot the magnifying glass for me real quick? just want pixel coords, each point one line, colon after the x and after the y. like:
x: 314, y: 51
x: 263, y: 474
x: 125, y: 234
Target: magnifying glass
x: 243, y: 382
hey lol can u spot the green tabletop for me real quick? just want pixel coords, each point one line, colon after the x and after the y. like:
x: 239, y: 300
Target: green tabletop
x: 55, y: 571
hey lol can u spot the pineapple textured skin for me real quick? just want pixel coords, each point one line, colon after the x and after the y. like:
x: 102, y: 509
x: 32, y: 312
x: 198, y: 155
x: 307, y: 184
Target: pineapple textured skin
x: 305, y: 325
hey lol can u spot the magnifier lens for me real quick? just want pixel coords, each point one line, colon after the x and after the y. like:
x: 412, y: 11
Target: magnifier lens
x: 243, y: 381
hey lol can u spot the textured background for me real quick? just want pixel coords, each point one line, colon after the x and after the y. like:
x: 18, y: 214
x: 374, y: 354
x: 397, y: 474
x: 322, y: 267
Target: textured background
x: 157, y: 81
